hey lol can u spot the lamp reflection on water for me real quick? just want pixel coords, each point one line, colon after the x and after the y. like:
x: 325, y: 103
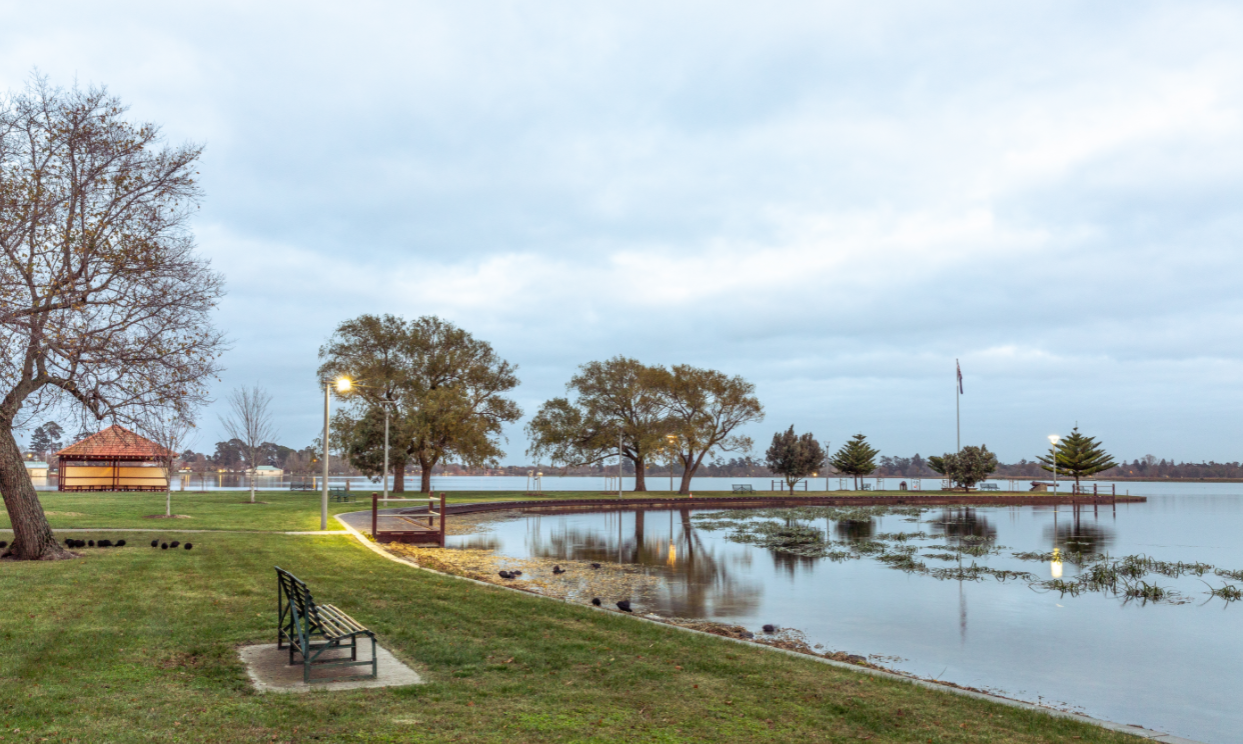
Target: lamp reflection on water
x: 673, y: 554
x: 1055, y: 566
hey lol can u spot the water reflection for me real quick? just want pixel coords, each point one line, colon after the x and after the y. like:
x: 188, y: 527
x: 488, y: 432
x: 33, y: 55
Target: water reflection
x: 855, y: 529
x: 959, y: 525
x: 698, y: 583
x: 1075, y: 532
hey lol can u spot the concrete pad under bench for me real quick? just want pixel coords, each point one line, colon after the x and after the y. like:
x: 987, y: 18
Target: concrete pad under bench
x: 270, y: 670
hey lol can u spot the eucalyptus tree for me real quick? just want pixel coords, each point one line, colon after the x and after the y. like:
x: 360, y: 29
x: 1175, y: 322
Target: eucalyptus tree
x: 706, y: 409
x: 1077, y: 456
x: 104, y: 304
x: 446, y: 391
x: 619, y: 405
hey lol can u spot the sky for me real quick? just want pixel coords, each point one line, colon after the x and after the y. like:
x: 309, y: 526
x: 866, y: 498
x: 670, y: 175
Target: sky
x: 834, y: 200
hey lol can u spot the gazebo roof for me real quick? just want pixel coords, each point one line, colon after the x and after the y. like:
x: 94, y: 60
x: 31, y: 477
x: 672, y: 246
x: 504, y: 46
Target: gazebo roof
x: 114, y: 442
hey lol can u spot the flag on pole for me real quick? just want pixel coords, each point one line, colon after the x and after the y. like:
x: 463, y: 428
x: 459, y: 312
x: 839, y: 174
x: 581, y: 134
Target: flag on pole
x: 956, y: 364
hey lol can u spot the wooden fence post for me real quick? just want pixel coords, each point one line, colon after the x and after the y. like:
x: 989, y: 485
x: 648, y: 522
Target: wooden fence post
x: 442, y: 519
x: 375, y: 502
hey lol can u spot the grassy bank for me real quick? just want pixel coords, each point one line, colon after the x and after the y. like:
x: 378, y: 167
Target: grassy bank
x: 230, y: 510
x: 136, y: 644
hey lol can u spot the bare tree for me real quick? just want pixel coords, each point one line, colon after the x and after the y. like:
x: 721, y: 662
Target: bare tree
x: 250, y: 423
x: 104, y: 304
x: 169, y: 429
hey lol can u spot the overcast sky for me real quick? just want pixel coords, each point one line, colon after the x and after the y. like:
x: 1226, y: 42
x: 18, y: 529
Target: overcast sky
x: 832, y: 199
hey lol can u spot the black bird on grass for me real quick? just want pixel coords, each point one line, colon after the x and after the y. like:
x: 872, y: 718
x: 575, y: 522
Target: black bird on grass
x: 770, y: 628
x: 189, y: 545
x: 558, y: 570
x: 624, y: 606
x: 91, y: 543
x: 155, y: 543
x: 595, y: 601
x: 595, y: 565
x: 174, y: 543
x: 104, y: 543
x: 4, y: 544
x: 120, y: 543
x: 516, y: 573
x: 163, y: 546
x: 505, y: 575
x: 70, y: 542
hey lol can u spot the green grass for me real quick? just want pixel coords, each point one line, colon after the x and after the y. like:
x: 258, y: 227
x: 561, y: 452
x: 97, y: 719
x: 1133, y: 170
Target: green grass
x: 229, y: 510
x: 137, y: 644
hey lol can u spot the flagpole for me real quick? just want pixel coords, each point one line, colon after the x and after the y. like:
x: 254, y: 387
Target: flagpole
x: 957, y: 407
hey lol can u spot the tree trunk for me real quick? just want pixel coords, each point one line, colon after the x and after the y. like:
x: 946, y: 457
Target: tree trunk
x: 32, y: 536
x: 685, y: 487
x: 399, y: 478
x: 168, y: 501
x: 640, y: 476
x: 252, y: 488
x: 425, y: 479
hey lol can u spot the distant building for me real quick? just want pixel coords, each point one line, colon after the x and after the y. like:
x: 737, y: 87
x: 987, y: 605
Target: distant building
x: 36, y: 469
x: 266, y: 470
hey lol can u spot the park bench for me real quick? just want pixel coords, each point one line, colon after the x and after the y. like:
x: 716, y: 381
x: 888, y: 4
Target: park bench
x: 989, y: 487
x: 744, y: 488
x: 312, y: 629
x: 339, y: 494
x: 865, y: 486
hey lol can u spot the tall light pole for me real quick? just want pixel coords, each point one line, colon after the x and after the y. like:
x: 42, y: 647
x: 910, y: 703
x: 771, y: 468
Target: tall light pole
x: 343, y: 386
x: 673, y: 442
x: 1054, y: 439
x: 619, y: 462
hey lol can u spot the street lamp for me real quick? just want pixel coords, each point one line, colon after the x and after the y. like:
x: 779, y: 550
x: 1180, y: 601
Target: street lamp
x: 1054, y: 439
x: 673, y: 442
x: 343, y: 385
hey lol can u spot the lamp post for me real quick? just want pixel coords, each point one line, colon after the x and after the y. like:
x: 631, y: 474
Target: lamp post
x: 1054, y: 439
x: 673, y: 442
x: 343, y: 385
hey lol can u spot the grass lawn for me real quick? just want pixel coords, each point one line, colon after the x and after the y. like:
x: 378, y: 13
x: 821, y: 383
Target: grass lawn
x: 229, y: 510
x: 138, y: 644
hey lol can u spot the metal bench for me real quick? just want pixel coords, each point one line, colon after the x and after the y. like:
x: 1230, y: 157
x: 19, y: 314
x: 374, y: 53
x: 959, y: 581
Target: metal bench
x: 988, y: 487
x: 744, y: 488
x: 312, y: 629
x: 339, y: 494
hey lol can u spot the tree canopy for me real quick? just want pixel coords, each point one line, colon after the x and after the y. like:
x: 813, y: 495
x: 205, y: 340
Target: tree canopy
x: 445, y: 390
x: 967, y: 467
x: 855, y: 458
x: 680, y: 414
x: 1077, y: 456
x: 794, y: 457
x: 105, y: 307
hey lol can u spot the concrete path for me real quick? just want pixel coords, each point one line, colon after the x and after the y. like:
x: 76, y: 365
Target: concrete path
x: 270, y: 671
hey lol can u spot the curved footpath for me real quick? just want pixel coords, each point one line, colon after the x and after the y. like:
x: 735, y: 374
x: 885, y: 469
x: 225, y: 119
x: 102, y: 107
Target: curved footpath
x: 359, y: 525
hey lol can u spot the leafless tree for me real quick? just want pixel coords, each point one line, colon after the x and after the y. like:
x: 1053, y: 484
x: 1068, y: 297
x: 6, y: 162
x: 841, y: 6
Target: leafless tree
x: 250, y: 422
x: 104, y: 304
x: 169, y: 429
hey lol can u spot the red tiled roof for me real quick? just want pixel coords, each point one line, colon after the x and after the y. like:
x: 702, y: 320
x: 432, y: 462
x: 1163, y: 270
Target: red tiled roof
x: 115, y: 441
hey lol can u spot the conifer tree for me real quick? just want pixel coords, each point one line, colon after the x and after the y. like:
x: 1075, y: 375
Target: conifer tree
x: 1077, y: 456
x: 856, y: 458
x: 794, y: 457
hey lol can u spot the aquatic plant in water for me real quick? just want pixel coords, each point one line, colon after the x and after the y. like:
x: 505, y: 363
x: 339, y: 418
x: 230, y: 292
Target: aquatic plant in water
x: 1227, y: 574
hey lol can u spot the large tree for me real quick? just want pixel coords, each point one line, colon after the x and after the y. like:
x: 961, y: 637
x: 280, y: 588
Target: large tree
x: 619, y: 404
x: 104, y: 304
x: 445, y: 388
x: 46, y: 439
x: 966, y: 467
x: 794, y: 457
x: 706, y: 408
x: 856, y: 458
x: 1077, y: 456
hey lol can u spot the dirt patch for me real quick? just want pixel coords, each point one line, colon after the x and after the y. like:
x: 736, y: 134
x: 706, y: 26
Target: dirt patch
x: 165, y: 516
x: 64, y: 514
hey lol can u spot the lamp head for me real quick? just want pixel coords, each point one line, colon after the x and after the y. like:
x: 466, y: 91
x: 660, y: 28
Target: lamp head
x: 344, y: 385
x: 1054, y: 439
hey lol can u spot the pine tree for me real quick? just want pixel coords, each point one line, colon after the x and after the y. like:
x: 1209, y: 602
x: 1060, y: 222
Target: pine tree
x: 855, y: 458
x: 794, y: 457
x: 1078, y: 456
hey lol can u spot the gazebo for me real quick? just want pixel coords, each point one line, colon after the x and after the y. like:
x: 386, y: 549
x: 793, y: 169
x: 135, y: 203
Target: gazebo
x: 115, y: 459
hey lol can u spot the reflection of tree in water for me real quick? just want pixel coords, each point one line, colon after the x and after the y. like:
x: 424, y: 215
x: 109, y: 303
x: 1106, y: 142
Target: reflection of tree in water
x: 956, y: 524
x: 1072, y: 534
x: 479, y: 542
x: 855, y: 529
x: 697, y: 578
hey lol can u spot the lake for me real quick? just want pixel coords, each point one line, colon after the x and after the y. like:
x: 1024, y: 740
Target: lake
x: 934, y: 592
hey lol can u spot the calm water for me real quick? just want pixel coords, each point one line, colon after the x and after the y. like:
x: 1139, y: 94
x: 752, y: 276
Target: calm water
x: 1172, y: 667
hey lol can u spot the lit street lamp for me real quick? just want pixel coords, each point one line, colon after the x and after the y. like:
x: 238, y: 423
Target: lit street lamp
x: 1054, y: 439
x: 343, y: 386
